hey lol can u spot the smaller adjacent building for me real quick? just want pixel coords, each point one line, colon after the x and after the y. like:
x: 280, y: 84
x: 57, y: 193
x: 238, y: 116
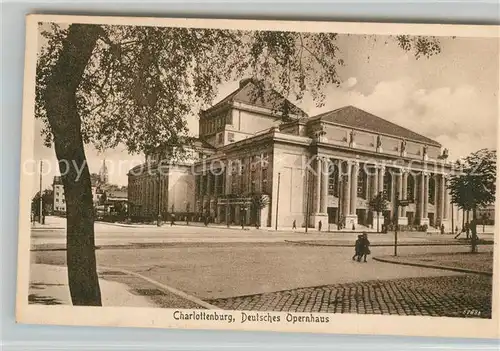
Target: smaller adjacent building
x: 486, y: 215
x: 117, y: 201
x: 114, y: 195
x: 59, y: 205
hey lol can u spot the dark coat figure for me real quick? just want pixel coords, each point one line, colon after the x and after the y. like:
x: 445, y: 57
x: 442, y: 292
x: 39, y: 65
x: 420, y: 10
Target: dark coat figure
x: 319, y: 226
x: 365, y: 247
x: 358, y: 246
x: 172, y: 220
x: 294, y: 224
x: 442, y: 228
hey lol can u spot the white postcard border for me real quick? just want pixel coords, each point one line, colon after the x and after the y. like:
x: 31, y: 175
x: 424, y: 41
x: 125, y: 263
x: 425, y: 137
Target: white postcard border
x: 163, y: 318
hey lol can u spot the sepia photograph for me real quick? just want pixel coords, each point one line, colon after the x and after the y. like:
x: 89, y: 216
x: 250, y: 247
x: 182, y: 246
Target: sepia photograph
x: 260, y: 175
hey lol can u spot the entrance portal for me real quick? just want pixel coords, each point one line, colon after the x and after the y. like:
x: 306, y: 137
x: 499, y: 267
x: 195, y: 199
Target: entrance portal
x: 362, y: 217
x: 332, y: 214
x: 431, y: 219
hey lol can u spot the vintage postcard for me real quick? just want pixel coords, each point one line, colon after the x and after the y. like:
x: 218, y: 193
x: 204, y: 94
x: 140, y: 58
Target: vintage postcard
x: 260, y: 175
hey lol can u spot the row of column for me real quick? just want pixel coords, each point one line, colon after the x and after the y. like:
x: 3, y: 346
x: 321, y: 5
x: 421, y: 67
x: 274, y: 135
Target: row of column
x: 144, y: 192
x: 208, y: 184
x: 349, y: 189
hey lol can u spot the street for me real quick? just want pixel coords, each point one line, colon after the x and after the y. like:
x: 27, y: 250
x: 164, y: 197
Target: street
x: 230, y: 267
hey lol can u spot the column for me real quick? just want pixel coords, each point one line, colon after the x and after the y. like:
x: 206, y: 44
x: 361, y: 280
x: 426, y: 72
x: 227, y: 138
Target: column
x: 324, y: 186
x: 318, y: 185
x: 399, y: 194
x: 381, y: 173
x: 227, y: 179
x: 404, y: 193
x: 354, y: 187
x: 376, y: 171
x: 421, y: 197
x: 202, y: 185
x: 216, y: 183
x: 446, y: 199
x: 440, y: 200
x: 426, y: 195
x: 209, y: 183
x: 346, y: 192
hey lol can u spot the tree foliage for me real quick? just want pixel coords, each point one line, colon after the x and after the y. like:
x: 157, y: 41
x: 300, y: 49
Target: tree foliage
x: 473, y: 184
x: 142, y: 82
x: 378, y: 204
x: 47, y: 201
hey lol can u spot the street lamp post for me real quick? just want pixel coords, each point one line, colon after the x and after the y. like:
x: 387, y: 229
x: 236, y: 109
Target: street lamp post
x: 399, y: 203
x: 40, y: 217
x: 277, y: 201
x: 308, y: 198
x: 243, y: 210
x: 158, y: 220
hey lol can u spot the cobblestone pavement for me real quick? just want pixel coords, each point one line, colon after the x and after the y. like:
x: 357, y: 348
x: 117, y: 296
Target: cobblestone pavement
x: 450, y: 296
x: 482, y: 261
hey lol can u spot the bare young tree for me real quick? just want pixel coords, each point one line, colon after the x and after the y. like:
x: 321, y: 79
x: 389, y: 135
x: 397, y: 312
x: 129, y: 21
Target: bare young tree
x: 474, y: 186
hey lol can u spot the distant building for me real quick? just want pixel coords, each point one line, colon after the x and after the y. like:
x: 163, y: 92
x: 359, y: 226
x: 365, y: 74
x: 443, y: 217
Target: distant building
x: 103, y: 173
x: 96, y: 181
x: 117, y: 199
x: 324, y: 168
x: 59, y: 205
x: 486, y: 214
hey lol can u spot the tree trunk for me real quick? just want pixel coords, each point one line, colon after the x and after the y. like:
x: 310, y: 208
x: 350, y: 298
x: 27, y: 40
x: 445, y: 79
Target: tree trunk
x: 257, y: 216
x: 473, y: 228
x: 65, y: 123
x: 468, y: 225
x: 378, y: 221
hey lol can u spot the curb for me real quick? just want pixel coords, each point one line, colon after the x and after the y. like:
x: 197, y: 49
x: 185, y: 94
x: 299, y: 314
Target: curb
x: 161, y: 286
x: 381, y: 244
x: 424, y: 265
x: 46, y: 228
x: 167, y: 225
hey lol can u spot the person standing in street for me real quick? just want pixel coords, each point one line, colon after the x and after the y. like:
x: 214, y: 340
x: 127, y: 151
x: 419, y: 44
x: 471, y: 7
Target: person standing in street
x: 319, y: 226
x: 357, y: 248
x: 365, y: 247
x: 294, y: 224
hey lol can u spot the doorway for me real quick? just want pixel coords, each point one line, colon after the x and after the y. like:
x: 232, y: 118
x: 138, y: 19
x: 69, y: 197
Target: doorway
x: 411, y: 217
x: 431, y: 219
x: 362, y: 217
x: 332, y: 214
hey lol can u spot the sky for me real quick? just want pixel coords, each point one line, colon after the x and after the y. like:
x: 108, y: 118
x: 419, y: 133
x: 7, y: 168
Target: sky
x: 451, y: 97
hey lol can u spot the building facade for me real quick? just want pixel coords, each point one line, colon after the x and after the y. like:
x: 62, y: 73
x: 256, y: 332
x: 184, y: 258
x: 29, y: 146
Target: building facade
x: 59, y: 205
x: 98, y: 181
x: 308, y: 169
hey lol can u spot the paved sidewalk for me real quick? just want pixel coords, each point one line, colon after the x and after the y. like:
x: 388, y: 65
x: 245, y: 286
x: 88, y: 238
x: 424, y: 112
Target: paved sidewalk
x: 445, y: 296
x: 51, y: 222
x: 49, y: 286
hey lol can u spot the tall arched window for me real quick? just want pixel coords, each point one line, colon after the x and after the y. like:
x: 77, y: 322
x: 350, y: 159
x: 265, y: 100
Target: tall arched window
x: 333, y: 179
x: 432, y: 190
x: 362, y: 181
x: 387, y: 185
x: 410, y: 188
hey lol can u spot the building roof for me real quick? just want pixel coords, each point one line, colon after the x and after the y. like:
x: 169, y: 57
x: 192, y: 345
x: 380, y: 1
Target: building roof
x: 253, y: 93
x: 57, y: 180
x: 116, y: 194
x: 354, y: 117
x: 200, y: 143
